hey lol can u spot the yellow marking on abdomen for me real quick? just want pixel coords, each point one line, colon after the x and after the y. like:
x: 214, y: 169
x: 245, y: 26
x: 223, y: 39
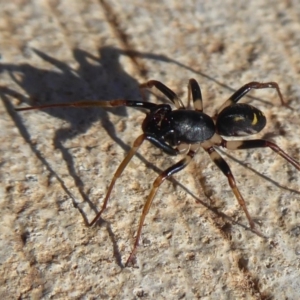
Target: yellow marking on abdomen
x: 255, y: 120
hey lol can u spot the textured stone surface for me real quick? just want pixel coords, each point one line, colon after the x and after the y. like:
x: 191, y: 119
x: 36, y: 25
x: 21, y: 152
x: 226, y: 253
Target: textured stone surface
x: 56, y: 164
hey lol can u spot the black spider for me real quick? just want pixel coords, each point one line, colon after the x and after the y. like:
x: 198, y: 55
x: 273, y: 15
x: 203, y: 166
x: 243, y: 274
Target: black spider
x: 184, y: 131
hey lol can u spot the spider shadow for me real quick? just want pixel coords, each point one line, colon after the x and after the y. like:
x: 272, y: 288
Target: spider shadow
x: 96, y: 77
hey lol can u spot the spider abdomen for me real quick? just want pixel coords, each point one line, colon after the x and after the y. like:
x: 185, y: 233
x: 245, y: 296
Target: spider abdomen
x: 240, y: 120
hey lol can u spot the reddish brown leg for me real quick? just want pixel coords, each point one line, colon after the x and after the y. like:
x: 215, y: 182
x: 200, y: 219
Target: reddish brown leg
x: 111, y: 103
x: 223, y: 166
x: 158, y: 181
x: 234, y: 145
x: 137, y: 143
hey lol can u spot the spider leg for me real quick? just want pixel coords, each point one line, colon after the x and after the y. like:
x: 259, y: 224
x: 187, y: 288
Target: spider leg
x: 165, y: 90
x: 137, y: 143
x: 156, y: 184
x: 233, y: 145
x: 111, y: 103
x: 195, y: 91
x: 224, y: 167
x: 241, y: 92
x: 161, y: 144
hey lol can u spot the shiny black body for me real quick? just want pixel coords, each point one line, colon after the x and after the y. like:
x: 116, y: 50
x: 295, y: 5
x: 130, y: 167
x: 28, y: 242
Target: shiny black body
x: 167, y: 128
x: 240, y: 120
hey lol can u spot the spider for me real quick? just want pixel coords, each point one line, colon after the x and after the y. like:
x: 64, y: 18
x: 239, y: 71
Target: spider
x: 185, y: 131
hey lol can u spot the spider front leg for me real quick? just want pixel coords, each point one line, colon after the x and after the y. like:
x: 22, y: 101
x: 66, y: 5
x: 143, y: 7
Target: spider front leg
x: 156, y: 184
x: 111, y: 103
x: 241, y: 92
x: 136, y: 145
